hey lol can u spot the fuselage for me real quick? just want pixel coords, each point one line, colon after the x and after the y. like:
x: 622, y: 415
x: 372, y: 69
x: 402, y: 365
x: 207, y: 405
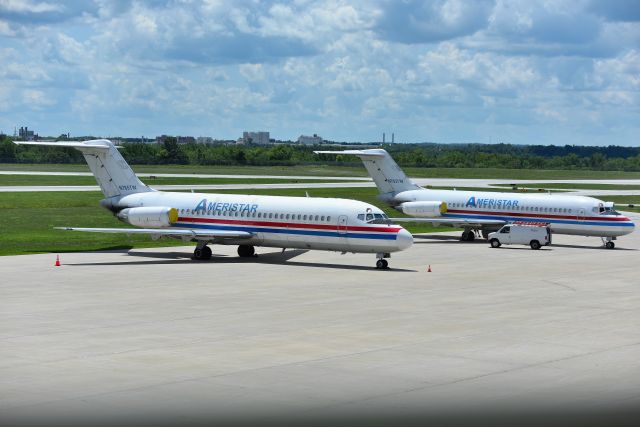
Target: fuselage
x: 565, y: 214
x: 286, y: 222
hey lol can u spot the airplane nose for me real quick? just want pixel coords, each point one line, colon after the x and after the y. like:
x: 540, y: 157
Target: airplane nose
x: 404, y: 239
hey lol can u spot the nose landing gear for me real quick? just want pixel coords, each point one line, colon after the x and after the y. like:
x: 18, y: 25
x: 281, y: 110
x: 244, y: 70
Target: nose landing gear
x: 382, y: 263
x: 608, y: 242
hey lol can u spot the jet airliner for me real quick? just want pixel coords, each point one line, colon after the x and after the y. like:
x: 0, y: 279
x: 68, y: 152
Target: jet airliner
x: 244, y: 220
x: 488, y: 211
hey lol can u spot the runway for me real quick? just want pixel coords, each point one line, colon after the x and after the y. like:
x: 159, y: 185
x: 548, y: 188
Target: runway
x: 152, y: 335
x: 348, y: 182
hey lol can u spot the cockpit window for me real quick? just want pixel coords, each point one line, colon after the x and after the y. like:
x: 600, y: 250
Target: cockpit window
x: 361, y: 217
x: 609, y: 210
x: 378, y: 219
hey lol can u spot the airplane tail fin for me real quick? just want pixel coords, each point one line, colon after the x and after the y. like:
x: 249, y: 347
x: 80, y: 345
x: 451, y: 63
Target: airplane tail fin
x: 385, y: 172
x: 113, y: 174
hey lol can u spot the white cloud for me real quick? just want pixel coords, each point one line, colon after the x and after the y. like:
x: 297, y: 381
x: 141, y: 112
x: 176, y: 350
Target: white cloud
x: 437, y: 70
x: 26, y: 6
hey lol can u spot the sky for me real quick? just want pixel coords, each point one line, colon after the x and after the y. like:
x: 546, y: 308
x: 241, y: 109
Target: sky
x: 448, y: 71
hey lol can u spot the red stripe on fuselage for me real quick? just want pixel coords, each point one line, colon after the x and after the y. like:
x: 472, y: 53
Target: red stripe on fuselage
x: 539, y: 215
x: 288, y: 225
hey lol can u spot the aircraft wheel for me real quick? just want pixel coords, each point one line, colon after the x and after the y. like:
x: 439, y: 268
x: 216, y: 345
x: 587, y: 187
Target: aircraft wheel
x: 495, y: 243
x: 609, y: 245
x: 471, y: 236
x: 382, y: 264
x: 203, y: 253
x: 206, y: 252
x: 535, y: 244
x: 246, y: 251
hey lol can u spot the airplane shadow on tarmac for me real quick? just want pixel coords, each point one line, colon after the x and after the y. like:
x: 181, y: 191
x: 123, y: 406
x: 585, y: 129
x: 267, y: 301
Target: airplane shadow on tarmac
x: 278, y: 257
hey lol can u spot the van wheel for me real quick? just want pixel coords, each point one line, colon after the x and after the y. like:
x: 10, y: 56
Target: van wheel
x: 535, y: 244
x: 495, y: 243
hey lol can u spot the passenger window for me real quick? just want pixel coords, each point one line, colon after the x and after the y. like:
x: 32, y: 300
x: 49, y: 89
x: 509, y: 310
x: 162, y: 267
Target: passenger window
x: 317, y: 218
x: 322, y: 218
x: 287, y: 217
x: 328, y: 218
x: 304, y: 217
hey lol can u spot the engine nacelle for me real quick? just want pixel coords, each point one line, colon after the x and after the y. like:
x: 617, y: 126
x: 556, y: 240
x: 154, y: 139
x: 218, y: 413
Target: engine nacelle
x: 149, y: 217
x: 423, y: 209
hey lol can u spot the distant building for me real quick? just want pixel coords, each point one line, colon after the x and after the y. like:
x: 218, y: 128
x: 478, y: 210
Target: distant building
x: 27, y: 135
x: 181, y: 139
x: 310, y: 140
x: 255, y: 137
x: 204, y: 140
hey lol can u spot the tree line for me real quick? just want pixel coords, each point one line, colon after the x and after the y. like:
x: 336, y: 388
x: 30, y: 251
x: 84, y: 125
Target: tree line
x: 506, y: 156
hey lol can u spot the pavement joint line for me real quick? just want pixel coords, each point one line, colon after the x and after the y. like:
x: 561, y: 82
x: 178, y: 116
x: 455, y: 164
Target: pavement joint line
x: 476, y: 377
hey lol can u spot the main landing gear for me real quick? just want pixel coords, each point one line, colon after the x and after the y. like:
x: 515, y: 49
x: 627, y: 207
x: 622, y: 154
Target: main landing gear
x: 467, y: 236
x: 246, y: 251
x: 202, y: 252
x: 382, y: 263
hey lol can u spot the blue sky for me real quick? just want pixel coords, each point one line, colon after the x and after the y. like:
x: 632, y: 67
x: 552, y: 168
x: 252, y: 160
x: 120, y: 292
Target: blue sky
x: 530, y: 72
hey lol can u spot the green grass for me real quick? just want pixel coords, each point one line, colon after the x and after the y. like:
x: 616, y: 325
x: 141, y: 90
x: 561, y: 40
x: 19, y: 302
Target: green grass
x: 569, y: 185
x: 334, y: 170
x: 13, y: 180
x: 27, y: 220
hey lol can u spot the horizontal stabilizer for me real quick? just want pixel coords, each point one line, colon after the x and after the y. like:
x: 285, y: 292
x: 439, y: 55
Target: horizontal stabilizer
x: 169, y: 232
x: 354, y: 152
x: 97, y: 144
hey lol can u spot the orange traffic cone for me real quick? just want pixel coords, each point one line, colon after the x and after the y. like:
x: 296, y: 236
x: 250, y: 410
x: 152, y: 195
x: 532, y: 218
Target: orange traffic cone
x: 57, y: 264
x: 429, y: 269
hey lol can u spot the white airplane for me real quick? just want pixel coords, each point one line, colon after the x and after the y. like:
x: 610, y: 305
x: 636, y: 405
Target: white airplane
x: 488, y: 211
x: 244, y: 220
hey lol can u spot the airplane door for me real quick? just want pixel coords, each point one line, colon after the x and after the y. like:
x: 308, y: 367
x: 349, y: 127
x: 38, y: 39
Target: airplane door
x: 581, y: 214
x: 342, y: 224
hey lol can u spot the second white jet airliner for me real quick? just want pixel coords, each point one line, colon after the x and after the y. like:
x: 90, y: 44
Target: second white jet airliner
x: 488, y: 211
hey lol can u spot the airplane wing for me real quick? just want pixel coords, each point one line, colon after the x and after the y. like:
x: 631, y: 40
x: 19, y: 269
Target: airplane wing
x: 169, y: 232
x: 454, y: 222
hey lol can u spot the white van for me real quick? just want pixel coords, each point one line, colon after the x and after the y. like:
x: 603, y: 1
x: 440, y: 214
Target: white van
x: 535, y: 236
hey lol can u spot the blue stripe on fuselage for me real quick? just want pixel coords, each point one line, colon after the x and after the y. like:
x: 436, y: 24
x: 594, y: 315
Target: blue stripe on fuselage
x: 542, y: 219
x: 386, y: 236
